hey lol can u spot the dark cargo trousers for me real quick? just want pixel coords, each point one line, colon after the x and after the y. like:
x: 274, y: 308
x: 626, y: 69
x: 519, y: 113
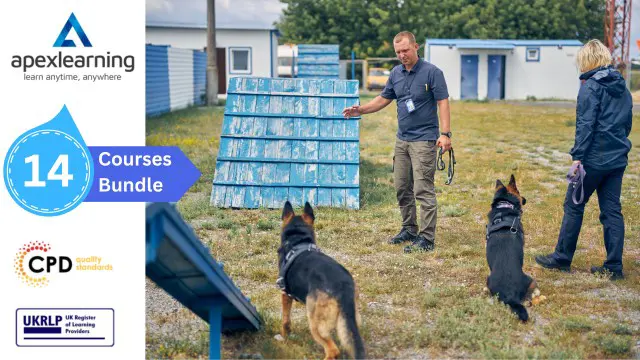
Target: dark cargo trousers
x: 414, y: 168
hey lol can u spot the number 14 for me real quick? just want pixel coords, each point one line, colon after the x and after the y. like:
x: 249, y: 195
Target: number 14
x: 61, y: 162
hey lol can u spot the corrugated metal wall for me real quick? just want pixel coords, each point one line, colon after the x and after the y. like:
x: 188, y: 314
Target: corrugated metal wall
x: 176, y: 78
x: 157, y: 80
x: 286, y: 139
x: 318, y: 61
x: 199, y: 77
x: 180, y: 78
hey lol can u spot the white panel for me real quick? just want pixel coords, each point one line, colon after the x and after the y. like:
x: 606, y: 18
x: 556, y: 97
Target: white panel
x: 180, y: 78
x: 263, y: 44
x: 555, y: 76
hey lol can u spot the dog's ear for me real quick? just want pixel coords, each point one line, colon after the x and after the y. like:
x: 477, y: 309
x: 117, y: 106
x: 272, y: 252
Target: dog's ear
x: 499, y: 184
x: 308, y: 215
x: 512, y: 182
x: 308, y: 210
x: 287, y: 211
x: 524, y: 200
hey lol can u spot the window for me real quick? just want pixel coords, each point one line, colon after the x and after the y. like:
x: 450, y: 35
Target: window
x: 285, y: 61
x: 240, y: 60
x: 533, y: 54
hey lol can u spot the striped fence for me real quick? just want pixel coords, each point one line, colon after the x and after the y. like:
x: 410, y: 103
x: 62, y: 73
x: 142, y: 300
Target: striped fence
x: 318, y: 61
x: 175, y: 78
x: 286, y: 139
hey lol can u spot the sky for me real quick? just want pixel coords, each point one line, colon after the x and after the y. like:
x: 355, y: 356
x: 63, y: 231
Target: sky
x: 262, y: 13
x: 257, y: 13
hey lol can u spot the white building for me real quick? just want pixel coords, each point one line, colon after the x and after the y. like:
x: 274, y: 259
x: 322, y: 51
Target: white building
x: 241, y: 51
x: 507, y: 69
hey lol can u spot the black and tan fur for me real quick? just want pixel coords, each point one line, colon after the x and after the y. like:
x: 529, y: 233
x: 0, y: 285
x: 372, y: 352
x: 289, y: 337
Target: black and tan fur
x: 326, y: 288
x: 505, y: 253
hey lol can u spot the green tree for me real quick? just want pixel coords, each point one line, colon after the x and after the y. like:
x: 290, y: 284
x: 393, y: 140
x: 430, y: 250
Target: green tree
x: 368, y: 26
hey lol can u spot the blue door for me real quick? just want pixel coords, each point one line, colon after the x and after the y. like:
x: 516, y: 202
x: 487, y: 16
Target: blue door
x: 496, y: 77
x: 469, y: 80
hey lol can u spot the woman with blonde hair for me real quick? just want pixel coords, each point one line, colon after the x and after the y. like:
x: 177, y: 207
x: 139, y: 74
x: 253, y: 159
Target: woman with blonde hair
x: 600, y: 156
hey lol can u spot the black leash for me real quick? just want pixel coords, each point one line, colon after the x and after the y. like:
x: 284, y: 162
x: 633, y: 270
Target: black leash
x: 440, y: 165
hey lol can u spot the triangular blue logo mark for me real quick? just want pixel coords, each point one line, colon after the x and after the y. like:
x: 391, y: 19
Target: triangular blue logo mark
x: 62, y: 41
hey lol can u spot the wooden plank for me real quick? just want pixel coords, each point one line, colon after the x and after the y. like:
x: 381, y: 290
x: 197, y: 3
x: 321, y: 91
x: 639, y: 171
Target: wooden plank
x: 268, y: 173
x: 325, y: 150
x: 352, y: 151
x: 254, y: 173
x: 352, y: 129
x: 225, y: 147
x: 222, y: 169
x: 324, y: 197
x: 284, y: 149
x: 339, y: 150
x: 310, y: 195
x: 338, y: 197
x: 281, y: 195
x: 297, y: 173
x: 353, y: 174
x: 311, y: 174
x: 267, y: 196
x: 252, y: 197
x: 287, y: 126
x: 353, y: 199
x: 324, y: 174
x: 283, y: 171
x: 338, y: 174
x: 298, y: 149
x: 259, y: 126
x: 312, y: 150
x: 295, y: 196
x: 237, y: 200
x: 217, y: 195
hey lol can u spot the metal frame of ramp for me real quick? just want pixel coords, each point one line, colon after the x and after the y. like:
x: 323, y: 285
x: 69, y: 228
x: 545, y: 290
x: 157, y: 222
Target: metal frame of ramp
x: 180, y: 264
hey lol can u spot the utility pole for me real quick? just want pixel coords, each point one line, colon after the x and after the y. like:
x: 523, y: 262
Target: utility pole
x: 212, y: 68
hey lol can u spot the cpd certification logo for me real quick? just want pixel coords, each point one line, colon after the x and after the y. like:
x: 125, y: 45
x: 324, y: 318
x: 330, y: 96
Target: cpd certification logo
x: 36, y: 263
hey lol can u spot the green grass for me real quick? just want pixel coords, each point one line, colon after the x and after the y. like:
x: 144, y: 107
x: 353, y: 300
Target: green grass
x: 429, y: 304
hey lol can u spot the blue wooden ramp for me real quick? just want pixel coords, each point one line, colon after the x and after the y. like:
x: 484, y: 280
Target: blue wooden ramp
x: 318, y: 61
x: 181, y: 265
x: 286, y: 139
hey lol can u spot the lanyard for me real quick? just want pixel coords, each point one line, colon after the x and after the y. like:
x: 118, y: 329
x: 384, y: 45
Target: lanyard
x: 406, y: 81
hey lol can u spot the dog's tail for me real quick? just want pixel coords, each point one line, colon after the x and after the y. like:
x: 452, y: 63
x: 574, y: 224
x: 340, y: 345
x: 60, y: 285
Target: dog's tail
x: 348, y: 327
x: 519, y: 310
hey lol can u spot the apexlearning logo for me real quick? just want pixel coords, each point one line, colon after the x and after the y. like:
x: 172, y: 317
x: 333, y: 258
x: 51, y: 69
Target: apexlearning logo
x: 80, y: 59
x: 72, y: 23
x: 35, y: 263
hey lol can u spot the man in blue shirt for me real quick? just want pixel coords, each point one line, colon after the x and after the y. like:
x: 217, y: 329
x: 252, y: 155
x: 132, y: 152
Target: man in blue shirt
x: 420, y: 91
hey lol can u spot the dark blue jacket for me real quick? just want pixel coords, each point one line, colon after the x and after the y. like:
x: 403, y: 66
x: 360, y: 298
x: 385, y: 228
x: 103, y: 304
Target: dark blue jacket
x: 603, y: 120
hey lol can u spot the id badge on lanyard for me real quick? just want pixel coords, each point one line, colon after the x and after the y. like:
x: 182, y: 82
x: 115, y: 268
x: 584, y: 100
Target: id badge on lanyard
x: 411, y: 107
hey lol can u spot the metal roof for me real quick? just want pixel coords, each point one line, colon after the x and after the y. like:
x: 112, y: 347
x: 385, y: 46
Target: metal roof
x: 203, y: 26
x: 499, y: 43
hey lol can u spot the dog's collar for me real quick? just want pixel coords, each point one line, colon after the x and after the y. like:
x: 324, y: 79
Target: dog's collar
x: 504, y: 204
x: 501, y: 221
x: 288, y: 261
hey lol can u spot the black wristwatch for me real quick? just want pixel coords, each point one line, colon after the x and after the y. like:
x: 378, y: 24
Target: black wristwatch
x: 447, y: 134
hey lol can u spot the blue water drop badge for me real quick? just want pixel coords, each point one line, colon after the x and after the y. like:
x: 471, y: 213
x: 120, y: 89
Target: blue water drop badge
x: 48, y: 170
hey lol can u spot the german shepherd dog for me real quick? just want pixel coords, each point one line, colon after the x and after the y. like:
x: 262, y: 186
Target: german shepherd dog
x: 505, y: 249
x: 315, y: 279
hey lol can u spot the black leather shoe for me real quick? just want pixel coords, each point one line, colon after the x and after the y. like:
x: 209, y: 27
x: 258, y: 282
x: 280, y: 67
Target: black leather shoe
x: 612, y: 275
x: 421, y: 244
x: 549, y: 262
x: 403, y: 235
